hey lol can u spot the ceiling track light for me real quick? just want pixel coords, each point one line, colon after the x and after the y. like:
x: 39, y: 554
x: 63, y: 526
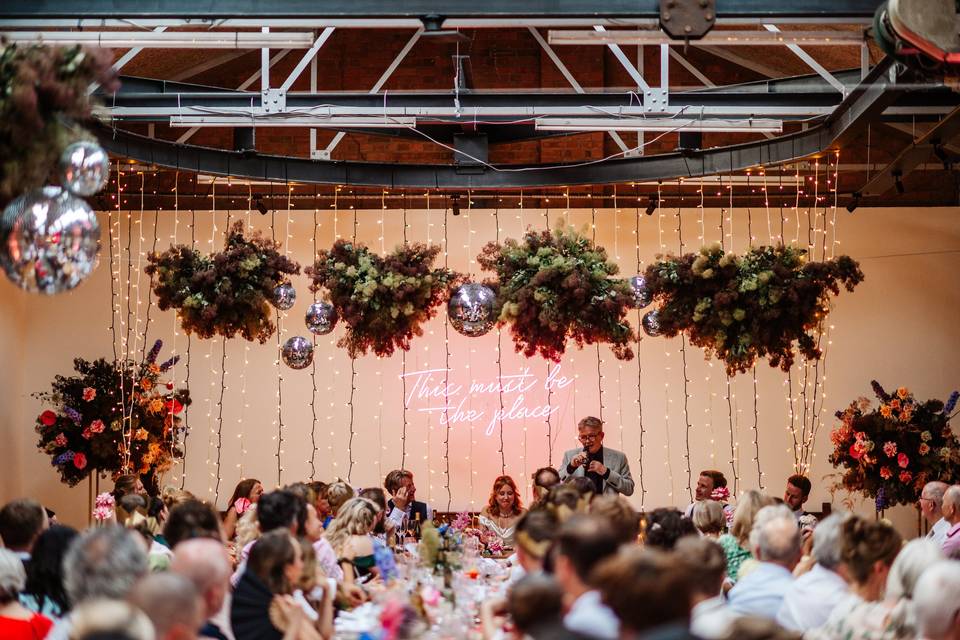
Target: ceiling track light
x: 262, y: 208
x: 712, y: 125
x: 898, y: 181
x: 455, y: 204
x: 652, y: 204
x: 854, y: 202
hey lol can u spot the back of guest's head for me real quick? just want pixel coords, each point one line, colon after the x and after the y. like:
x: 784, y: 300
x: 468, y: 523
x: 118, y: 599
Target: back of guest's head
x: 933, y: 491
x: 131, y: 502
x: 395, y: 479
x: 645, y: 588
x: 338, y: 493
x: 936, y: 601
x: 535, y: 599
x: 584, y: 486
x: 914, y: 558
x: 303, y: 490
x: 356, y: 517
x: 757, y: 628
x: 584, y: 540
x: 45, y: 571
x: 665, y: 526
x: 719, y: 480
x: 951, y: 502
x: 204, y: 562
x: 376, y: 496
x: 192, y: 519
x: 110, y: 619
x: 828, y: 541
x: 747, y: 507
x: 708, y: 517
x: 775, y: 536
x: 281, y: 509
x: 103, y: 563
x: 174, y: 496
x: 800, y: 482
x: 563, y: 500
x: 13, y: 578
x: 269, y: 558
x: 544, y: 479
x: 535, y: 531
x: 705, y: 563
x: 866, y: 543
x: 622, y: 517
x: 125, y: 485
x: 171, y: 602
x: 21, y: 521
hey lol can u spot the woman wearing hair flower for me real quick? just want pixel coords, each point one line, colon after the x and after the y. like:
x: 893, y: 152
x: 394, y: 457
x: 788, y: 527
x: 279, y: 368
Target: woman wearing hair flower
x: 246, y: 493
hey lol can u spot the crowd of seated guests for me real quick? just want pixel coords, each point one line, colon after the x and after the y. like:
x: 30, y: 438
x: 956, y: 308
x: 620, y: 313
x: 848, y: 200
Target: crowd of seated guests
x: 283, y: 563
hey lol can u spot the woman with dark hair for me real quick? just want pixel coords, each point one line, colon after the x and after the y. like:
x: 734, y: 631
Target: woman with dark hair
x: 665, y: 526
x: 503, y: 510
x: 246, y: 493
x: 44, y: 592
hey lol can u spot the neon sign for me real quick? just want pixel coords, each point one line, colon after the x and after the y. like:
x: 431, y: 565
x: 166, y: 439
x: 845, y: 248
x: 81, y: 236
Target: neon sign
x: 429, y: 384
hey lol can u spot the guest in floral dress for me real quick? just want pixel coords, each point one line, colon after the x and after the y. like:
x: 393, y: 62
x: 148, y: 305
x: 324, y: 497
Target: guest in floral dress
x: 736, y: 544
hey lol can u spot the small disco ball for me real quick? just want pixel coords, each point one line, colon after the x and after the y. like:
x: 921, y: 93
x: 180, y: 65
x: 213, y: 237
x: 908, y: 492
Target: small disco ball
x: 297, y: 352
x: 49, y: 240
x: 641, y: 294
x: 284, y: 296
x: 84, y: 168
x: 651, y: 324
x: 470, y: 309
x: 321, y: 318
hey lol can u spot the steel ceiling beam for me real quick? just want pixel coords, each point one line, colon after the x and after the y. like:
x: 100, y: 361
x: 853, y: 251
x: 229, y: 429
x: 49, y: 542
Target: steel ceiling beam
x: 863, y: 103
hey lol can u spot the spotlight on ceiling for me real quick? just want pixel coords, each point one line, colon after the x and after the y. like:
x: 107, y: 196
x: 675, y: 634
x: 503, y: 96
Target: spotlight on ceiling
x: 652, y: 204
x: 433, y: 29
x: 854, y: 202
x: 455, y: 204
x: 262, y: 208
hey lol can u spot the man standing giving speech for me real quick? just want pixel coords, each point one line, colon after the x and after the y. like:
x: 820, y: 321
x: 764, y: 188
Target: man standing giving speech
x: 606, y: 468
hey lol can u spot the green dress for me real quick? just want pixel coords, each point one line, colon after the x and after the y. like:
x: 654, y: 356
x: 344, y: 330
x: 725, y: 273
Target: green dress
x: 735, y: 555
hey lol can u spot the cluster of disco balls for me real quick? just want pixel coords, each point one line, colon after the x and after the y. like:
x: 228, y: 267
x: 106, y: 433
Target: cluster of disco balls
x: 642, y: 298
x: 320, y: 319
x: 50, y: 237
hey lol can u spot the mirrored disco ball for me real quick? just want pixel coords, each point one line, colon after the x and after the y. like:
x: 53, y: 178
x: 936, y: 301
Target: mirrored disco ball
x: 641, y: 294
x: 84, y: 168
x: 321, y: 318
x: 651, y: 325
x: 470, y: 309
x: 284, y: 296
x: 297, y: 352
x: 49, y: 240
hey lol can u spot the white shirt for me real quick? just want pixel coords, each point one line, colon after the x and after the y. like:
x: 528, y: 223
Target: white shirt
x: 589, y: 616
x: 938, y: 532
x: 760, y: 592
x: 808, y: 602
x: 711, y: 619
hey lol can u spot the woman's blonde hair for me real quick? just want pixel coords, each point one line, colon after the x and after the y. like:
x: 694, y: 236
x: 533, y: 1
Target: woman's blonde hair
x: 747, y: 507
x: 708, y: 517
x: 337, y: 495
x: 356, y: 517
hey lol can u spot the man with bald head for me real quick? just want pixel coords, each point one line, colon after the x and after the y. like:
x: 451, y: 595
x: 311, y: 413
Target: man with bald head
x: 951, y: 513
x: 931, y: 507
x: 170, y: 601
x: 204, y: 563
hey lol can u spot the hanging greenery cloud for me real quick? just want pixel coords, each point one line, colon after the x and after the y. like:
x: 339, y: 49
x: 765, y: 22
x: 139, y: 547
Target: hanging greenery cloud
x: 555, y: 286
x: 226, y: 293
x: 382, y: 300
x: 741, y: 308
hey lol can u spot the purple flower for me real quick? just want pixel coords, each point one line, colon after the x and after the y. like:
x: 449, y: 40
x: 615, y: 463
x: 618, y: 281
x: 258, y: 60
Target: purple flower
x: 63, y: 458
x: 951, y: 402
x: 169, y: 363
x: 74, y: 415
x: 881, y: 499
x: 154, y: 352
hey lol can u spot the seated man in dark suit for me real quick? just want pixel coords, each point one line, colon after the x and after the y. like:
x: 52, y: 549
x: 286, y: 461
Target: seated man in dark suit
x: 403, y: 509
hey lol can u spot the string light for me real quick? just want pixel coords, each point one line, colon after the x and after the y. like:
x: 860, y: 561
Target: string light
x: 223, y: 389
x: 593, y: 227
x: 683, y: 359
x: 753, y: 370
x: 446, y: 377
x: 353, y: 379
x: 636, y: 233
x: 244, y: 405
x: 503, y: 462
x: 186, y: 412
x: 211, y: 475
x: 403, y: 353
x: 728, y: 396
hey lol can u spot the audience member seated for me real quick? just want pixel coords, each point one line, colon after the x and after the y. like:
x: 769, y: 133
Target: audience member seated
x: 544, y: 479
x: 499, y: 516
x: 582, y: 542
x: 384, y: 531
x: 192, y: 519
x: 403, y: 508
x: 108, y: 619
x: 16, y: 621
x: 708, y: 518
x: 44, y: 592
x: 127, y: 485
x: 736, y: 544
x: 869, y: 549
x: 753, y: 628
x: 564, y: 501
x: 914, y: 558
x: 665, y: 526
x: 775, y: 542
x: 706, y: 566
x: 534, y: 606
x: 534, y: 534
x: 102, y: 563
x: 795, y: 495
x: 951, y: 513
x: 647, y: 590
x: 584, y: 487
x: 320, y: 499
x: 937, y: 602
x: 350, y: 537
x: 337, y: 494
x: 172, y: 604
x: 21, y: 523
x: 810, y: 599
x: 709, y: 481
x: 931, y: 508
x: 246, y: 494
x: 616, y: 510
x: 204, y: 562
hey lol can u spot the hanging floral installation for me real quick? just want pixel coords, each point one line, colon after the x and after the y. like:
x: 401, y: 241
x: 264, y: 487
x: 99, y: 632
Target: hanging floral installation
x: 84, y: 429
x: 43, y: 98
x: 890, y: 452
x: 226, y: 293
x: 382, y: 300
x: 557, y: 285
x: 741, y: 308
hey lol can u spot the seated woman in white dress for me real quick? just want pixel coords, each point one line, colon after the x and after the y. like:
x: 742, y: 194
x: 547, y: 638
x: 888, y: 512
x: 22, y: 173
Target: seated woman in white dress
x: 503, y: 510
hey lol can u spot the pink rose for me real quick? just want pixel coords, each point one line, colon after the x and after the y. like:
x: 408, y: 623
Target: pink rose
x: 86, y: 433
x: 890, y: 448
x: 924, y: 448
x: 885, y: 473
x: 905, y: 477
x: 903, y: 460
x: 89, y: 393
x: 97, y: 426
x: 60, y: 440
x: 79, y: 460
x: 241, y: 505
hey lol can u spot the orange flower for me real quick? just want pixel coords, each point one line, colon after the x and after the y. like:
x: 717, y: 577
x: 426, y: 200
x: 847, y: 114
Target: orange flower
x: 885, y: 411
x: 154, y: 369
x: 905, y: 415
x: 141, y: 434
x: 156, y: 405
x: 146, y: 384
x: 894, y: 404
x: 903, y: 392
